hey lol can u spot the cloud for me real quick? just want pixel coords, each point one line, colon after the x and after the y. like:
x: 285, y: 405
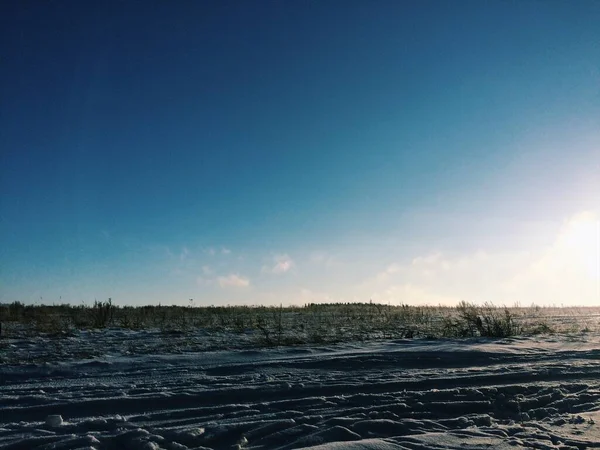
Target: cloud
x: 564, y: 271
x: 428, y: 260
x: 212, y: 251
x: 415, y: 295
x: 309, y: 296
x: 322, y: 259
x: 295, y: 296
x: 568, y: 271
x: 166, y: 250
x: 184, y: 254
x: 282, y: 264
x: 206, y: 278
x: 389, y: 271
x: 233, y: 280
x: 204, y: 281
x: 441, y: 279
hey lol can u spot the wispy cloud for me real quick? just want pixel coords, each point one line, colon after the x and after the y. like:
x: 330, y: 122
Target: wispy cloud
x: 233, y: 280
x: 309, y: 296
x: 322, y: 259
x: 206, y: 278
x: 441, y: 279
x: 388, y: 272
x: 184, y: 254
x: 204, y: 281
x: 566, y: 270
x: 281, y: 264
x: 295, y: 296
x: 415, y: 295
x: 212, y: 251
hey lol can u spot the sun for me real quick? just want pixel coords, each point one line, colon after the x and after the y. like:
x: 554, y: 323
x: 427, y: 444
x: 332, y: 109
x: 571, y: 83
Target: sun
x: 580, y: 243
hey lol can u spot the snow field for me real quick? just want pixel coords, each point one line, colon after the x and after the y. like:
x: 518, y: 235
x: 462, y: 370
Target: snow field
x: 404, y: 394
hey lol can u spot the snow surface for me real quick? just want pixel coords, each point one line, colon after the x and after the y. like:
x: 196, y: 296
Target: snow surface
x: 529, y: 392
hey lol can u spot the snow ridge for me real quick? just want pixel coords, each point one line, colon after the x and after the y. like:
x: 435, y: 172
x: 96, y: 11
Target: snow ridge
x: 404, y: 394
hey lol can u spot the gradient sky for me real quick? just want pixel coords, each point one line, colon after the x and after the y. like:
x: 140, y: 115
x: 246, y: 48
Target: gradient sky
x: 275, y: 151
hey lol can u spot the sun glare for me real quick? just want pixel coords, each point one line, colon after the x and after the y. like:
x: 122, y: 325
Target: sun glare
x: 580, y: 243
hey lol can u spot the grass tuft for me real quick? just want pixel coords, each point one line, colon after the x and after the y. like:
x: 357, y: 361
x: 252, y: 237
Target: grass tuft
x: 294, y: 325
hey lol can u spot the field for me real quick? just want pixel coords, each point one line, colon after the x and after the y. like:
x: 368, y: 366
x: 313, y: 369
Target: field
x: 359, y: 376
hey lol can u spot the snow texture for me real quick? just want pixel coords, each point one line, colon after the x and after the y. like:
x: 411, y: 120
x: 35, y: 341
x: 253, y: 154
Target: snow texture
x: 528, y: 392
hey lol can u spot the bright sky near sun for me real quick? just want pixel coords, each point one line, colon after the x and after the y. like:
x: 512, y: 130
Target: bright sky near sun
x: 292, y: 152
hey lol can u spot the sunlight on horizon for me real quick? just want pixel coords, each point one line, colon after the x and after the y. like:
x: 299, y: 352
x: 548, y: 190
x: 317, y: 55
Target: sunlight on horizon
x: 581, y: 242
x: 568, y: 272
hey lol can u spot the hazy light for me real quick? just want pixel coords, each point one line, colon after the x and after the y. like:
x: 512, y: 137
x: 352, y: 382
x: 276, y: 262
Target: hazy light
x: 580, y: 243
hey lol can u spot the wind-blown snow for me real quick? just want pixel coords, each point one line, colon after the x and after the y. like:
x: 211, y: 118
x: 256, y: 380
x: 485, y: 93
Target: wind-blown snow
x: 407, y: 394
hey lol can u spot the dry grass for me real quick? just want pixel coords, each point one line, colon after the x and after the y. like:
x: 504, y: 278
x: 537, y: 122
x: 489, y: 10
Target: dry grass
x: 311, y: 323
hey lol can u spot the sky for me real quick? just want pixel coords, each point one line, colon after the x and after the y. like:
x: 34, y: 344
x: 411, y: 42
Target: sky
x: 267, y: 152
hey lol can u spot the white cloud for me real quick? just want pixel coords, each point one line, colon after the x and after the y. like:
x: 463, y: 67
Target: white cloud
x: 184, y: 254
x: 282, y: 264
x: 207, y: 277
x: 414, y: 295
x: 212, y: 251
x: 294, y: 296
x: 436, y: 278
x: 233, y: 280
x: 566, y: 271
x: 204, y: 281
x: 428, y: 260
x: 309, y: 296
x: 322, y: 259
x: 389, y: 270
x: 168, y: 252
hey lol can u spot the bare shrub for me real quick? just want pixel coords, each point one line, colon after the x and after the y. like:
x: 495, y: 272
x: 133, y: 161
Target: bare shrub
x: 102, y: 313
x: 486, y: 321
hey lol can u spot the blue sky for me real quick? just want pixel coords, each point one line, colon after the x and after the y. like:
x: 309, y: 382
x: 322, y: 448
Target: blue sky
x: 267, y: 152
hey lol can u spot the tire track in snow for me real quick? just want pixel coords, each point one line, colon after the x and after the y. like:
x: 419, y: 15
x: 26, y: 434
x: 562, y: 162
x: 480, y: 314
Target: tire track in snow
x: 282, y: 399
